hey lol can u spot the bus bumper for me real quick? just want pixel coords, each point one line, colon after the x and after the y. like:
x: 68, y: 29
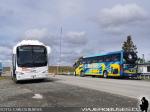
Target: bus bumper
x: 31, y: 76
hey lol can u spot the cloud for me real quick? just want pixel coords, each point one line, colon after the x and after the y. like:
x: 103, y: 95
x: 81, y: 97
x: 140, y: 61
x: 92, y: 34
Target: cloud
x: 76, y: 38
x: 118, y: 17
x: 5, y: 51
x: 6, y: 16
x: 36, y: 33
x: 41, y: 34
x: 70, y: 8
x: 5, y: 55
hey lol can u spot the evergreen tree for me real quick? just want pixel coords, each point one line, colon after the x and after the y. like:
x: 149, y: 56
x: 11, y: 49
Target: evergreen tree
x: 129, y: 46
x: 140, y: 60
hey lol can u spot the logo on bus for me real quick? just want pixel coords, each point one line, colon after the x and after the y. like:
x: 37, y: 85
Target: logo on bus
x: 94, y: 65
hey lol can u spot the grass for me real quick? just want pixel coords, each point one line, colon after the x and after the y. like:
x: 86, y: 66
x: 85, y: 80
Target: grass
x: 61, y: 69
x: 53, y: 69
x: 3, y: 77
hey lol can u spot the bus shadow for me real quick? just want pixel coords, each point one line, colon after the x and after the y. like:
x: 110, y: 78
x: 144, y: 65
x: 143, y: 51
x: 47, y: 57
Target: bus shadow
x: 118, y: 78
x: 37, y: 81
x: 125, y: 78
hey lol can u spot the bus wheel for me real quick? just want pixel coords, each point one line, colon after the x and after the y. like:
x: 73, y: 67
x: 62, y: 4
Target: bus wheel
x: 81, y: 74
x: 105, y: 74
x: 75, y: 74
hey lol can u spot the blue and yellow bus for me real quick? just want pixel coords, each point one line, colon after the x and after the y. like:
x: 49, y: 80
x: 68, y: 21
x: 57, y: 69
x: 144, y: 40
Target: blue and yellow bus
x: 113, y: 64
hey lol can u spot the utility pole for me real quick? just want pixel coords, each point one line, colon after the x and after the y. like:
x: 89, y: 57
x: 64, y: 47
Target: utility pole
x: 143, y: 57
x: 60, y: 45
x: 59, y: 60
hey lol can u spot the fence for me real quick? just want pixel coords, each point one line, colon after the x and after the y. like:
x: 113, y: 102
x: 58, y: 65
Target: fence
x: 144, y: 76
x: 63, y: 70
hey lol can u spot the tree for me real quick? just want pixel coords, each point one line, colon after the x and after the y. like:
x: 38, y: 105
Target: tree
x: 129, y: 46
x: 140, y: 60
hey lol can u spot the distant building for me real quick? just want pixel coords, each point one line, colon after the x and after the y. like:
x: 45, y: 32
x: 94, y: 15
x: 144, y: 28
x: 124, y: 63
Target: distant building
x: 144, y: 68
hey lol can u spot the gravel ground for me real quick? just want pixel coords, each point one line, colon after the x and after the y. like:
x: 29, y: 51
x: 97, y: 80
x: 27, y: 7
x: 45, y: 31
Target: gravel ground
x: 51, y: 93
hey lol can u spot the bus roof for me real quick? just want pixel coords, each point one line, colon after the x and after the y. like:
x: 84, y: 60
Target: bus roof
x: 90, y: 56
x: 27, y: 42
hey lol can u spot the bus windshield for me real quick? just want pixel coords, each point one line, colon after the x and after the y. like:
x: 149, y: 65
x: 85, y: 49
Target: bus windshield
x: 31, y: 56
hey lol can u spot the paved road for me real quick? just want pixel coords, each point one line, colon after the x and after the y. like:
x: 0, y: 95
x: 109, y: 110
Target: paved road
x: 131, y: 88
x: 59, y: 91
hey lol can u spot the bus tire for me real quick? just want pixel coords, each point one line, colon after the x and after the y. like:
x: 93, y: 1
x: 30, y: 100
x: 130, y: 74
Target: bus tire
x: 105, y: 74
x: 75, y: 74
x: 82, y: 74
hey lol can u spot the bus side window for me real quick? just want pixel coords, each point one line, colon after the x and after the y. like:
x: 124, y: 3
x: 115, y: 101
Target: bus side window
x: 80, y: 61
x: 107, y: 58
x: 94, y: 60
x: 116, y: 57
x: 100, y: 59
x: 84, y: 62
x: 97, y: 59
x: 113, y: 58
x: 89, y: 61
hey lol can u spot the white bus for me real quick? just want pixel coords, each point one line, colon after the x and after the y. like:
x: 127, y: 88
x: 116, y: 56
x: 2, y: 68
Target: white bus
x: 30, y: 60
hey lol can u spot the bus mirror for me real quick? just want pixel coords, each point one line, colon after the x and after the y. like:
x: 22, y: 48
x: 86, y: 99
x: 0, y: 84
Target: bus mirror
x: 48, y: 49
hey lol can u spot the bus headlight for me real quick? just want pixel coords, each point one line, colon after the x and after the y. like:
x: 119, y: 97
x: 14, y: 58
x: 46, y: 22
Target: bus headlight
x: 45, y: 71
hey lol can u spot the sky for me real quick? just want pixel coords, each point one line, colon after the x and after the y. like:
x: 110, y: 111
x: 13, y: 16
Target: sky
x: 88, y: 26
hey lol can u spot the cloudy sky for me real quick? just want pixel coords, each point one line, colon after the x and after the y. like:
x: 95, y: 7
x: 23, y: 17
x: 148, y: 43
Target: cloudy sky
x: 88, y: 26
